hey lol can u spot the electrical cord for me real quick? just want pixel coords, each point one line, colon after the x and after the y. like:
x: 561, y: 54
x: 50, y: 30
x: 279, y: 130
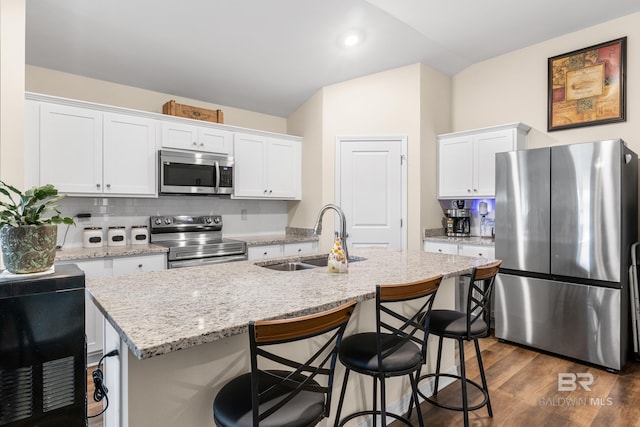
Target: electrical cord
x: 101, y: 391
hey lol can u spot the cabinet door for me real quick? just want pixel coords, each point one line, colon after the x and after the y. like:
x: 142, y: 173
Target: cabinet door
x: 179, y: 135
x: 215, y: 140
x: 267, y: 251
x: 455, y: 167
x: 300, y: 248
x: 441, y: 248
x: 129, y: 155
x: 249, y: 173
x: 283, y: 169
x: 477, y: 251
x: 486, y: 146
x: 70, y: 148
x: 137, y: 264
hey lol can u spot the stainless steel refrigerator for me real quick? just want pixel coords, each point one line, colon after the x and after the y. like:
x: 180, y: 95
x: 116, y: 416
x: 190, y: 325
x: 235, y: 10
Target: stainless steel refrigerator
x: 566, y: 217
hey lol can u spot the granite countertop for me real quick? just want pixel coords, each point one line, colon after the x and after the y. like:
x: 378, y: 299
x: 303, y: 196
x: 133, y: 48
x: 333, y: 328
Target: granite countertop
x: 180, y: 308
x: 274, y: 239
x: 471, y: 240
x: 74, y: 253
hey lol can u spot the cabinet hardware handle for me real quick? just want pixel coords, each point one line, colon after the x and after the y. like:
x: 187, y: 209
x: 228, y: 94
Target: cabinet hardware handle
x: 475, y: 190
x: 265, y: 253
x: 270, y: 191
x: 139, y: 265
x: 195, y: 143
x: 468, y: 190
x: 108, y: 185
x: 97, y: 185
x: 265, y: 191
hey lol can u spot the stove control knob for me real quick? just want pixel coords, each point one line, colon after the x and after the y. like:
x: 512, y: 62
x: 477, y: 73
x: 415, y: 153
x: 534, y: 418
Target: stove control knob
x: 208, y: 220
x: 158, y: 221
x: 167, y: 221
x: 216, y: 220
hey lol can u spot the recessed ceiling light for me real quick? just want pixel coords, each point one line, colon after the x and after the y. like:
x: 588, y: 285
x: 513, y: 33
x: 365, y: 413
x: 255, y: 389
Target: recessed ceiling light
x: 352, y: 38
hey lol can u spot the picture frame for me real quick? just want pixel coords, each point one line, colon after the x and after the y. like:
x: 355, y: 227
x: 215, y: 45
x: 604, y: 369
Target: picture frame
x: 587, y: 87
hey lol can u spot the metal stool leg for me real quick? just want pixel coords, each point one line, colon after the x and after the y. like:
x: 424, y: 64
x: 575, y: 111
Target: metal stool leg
x: 463, y: 374
x: 375, y: 400
x: 344, y: 389
x: 438, y: 359
x: 414, y: 387
x: 484, y: 378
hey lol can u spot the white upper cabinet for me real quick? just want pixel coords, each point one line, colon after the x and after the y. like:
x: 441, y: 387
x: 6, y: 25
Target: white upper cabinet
x: 83, y: 151
x: 466, y: 160
x: 201, y: 138
x: 266, y: 167
x: 70, y: 144
x: 129, y: 155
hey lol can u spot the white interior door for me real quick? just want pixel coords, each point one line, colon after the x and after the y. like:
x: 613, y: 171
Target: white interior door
x: 371, y: 189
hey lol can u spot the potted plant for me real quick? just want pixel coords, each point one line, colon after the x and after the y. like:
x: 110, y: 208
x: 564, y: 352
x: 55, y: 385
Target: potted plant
x: 28, y: 228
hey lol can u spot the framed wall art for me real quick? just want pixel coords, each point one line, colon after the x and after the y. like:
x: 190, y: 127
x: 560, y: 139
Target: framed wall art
x: 587, y: 87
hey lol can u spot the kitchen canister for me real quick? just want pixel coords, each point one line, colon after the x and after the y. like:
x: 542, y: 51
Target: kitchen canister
x: 92, y: 237
x: 139, y: 235
x: 116, y: 236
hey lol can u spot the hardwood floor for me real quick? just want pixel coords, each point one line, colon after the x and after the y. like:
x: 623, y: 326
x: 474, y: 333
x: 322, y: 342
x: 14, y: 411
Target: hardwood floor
x: 523, y: 386
x: 93, y: 407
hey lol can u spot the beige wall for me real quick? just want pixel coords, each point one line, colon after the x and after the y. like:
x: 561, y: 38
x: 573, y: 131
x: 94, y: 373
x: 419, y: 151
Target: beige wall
x: 513, y: 88
x: 12, y: 57
x: 56, y: 83
x: 307, y: 122
x: 411, y: 101
x: 435, y: 117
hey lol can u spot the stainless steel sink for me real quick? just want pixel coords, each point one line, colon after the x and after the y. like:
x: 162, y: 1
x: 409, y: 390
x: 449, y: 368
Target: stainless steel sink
x: 322, y: 261
x: 289, y: 266
x: 305, y: 264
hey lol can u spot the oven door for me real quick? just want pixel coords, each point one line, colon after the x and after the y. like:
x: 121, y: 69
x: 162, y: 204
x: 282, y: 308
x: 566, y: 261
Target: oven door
x: 187, y: 173
x: 194, y: 262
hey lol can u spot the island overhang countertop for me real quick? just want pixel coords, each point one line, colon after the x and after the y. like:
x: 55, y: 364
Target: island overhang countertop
x: 159, y: 312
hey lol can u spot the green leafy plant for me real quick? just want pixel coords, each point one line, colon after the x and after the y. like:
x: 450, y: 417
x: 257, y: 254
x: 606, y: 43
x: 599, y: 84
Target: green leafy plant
x: 30, y: 207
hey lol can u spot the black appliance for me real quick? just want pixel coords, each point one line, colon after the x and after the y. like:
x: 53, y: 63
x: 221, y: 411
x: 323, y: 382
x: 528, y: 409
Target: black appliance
x: 195, y: 173
x: 195, y: 240
x: 43, y: 349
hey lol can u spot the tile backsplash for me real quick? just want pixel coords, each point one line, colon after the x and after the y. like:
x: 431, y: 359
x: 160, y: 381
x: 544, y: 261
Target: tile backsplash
x: 240, y: 217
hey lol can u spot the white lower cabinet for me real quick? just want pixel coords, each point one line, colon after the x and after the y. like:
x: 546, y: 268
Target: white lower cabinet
x: 108, y: 267
x: 480, y: 251
x: 477, y: 251
x: 441, y: 248
x: 265, y: 251
x: 301, y: 248
x: 280, y: 250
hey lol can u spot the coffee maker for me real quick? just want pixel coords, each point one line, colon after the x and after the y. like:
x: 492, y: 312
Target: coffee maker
x: 458, y: 220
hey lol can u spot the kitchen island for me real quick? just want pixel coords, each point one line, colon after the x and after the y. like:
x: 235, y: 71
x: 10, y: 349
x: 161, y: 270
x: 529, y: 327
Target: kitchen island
x: 182, y: 332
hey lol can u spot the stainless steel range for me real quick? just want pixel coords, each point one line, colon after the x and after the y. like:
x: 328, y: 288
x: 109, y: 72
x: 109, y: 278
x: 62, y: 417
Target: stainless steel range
x: 195, y: 240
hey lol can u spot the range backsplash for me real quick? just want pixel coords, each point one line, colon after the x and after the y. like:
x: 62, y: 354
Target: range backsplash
x: 240, y: 217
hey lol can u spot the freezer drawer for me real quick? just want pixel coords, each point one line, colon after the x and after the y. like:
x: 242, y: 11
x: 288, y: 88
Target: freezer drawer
x: 573, y: 320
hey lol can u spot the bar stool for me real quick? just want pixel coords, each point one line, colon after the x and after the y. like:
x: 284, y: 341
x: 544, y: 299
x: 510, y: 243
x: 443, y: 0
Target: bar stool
x: 397, y: 348
x: 465, y: 326
x: 291, y: 392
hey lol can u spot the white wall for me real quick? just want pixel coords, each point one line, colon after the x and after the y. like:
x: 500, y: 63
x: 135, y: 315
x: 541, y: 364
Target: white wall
x: 513, y: 88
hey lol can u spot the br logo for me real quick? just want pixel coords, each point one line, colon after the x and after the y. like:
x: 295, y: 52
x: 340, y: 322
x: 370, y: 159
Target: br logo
x: 568, y: 381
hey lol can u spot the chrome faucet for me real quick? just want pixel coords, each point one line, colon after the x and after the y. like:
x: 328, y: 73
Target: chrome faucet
x: 317, y: 228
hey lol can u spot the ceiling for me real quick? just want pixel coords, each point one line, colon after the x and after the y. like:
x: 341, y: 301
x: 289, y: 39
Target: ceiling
x: 270, y: 56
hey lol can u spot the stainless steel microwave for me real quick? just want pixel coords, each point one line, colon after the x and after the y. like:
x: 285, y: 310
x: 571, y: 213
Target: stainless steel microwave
x: 195, y: 173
